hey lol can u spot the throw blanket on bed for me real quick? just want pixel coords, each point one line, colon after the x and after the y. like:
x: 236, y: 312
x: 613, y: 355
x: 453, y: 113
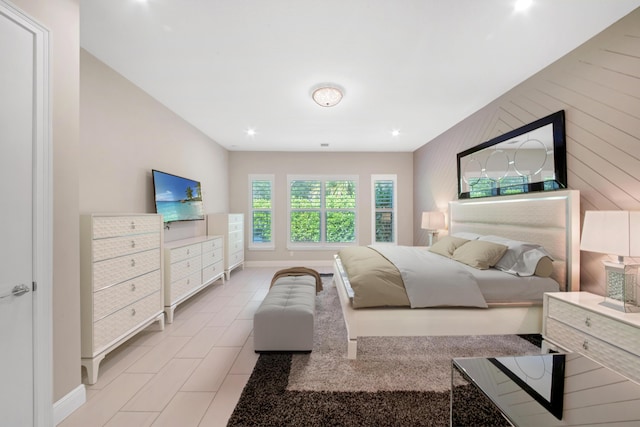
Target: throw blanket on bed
x: 407, y: 276
x: 431, y: 280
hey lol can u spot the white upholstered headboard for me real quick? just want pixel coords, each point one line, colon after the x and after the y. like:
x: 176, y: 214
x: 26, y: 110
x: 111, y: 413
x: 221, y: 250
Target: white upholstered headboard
x: 551, y: 219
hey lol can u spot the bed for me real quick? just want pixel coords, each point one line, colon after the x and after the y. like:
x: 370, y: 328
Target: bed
x: 551, y: 219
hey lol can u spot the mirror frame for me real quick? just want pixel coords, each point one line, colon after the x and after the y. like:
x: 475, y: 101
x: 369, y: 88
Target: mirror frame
x: 559, y: 154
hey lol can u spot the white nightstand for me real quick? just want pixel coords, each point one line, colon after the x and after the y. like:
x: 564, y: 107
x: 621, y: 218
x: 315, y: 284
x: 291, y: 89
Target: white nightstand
x: 577, y: 322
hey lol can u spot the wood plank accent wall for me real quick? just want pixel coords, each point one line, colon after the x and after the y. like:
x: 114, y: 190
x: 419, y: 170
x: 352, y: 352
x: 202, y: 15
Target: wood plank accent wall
x: 598, y: 86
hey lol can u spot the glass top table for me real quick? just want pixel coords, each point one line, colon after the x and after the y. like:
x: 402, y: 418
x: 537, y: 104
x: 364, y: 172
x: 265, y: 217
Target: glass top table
x: 541, y: 390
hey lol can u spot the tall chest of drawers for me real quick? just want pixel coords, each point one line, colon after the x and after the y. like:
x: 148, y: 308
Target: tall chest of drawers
x: 121, y: 281
x: 577, y: 322
x: 190, y: 265
x: 231, y: 227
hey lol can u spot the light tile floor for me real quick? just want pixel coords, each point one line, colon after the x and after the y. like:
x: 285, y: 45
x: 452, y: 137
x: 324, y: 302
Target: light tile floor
x: 190, y: 374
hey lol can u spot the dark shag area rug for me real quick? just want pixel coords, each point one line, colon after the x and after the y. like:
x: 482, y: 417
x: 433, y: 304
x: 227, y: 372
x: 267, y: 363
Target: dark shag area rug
x: 267, y: 401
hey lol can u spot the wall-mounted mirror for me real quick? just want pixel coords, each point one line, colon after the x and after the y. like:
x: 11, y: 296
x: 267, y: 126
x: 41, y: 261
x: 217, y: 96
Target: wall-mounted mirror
x: 530, y: 158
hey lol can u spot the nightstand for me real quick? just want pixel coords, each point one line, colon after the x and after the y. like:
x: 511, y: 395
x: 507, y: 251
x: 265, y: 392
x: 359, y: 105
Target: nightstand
x: 577, y: 322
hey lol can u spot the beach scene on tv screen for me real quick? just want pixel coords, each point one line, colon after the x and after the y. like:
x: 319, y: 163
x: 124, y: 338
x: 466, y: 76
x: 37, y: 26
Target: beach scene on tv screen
x: 178, y: 199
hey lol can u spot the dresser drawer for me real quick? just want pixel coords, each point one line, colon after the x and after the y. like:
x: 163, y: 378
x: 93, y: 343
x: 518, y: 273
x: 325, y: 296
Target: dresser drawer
x: 113, y: 298
x: 610, y: 330
x: 211, y: 271
x: 574, y: 340
x: 184, y: 268
x: 113, y: 226
x: 211, y: 257
x: 119, y: 246
x: 184, y: 252
x: 235, y: 258
x: 122, y: 322
x: 184, y: 286
x: 117, y: 270
x: 235, y: 241
x: 211, y: 245
x: 236, y: 218
x: 235, y: 226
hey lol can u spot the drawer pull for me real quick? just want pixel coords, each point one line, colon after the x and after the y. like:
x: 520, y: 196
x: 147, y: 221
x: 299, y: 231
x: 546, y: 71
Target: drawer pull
x: 188, y: 265
x: 587, y: 321
x: 585, y: 345
x: 133, y: 263
x: 133, y: 225
x: 133, y: 287
x: 133, y: 243
x: 133, y: 312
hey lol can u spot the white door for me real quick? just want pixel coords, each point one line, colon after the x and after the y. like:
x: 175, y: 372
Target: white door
x: 20, y: 157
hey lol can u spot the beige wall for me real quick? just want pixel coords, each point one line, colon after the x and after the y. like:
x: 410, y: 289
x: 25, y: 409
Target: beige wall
x: 598, y: 86
x: 61, y: 17
x: 124, y: 134
x: 241, y: 164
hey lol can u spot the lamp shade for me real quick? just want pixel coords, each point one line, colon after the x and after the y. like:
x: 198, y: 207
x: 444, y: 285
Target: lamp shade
x: 433, y: 220
x: 611, y: 232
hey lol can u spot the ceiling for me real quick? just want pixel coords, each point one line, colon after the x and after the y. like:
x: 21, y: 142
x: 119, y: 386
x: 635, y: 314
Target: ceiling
x: 415, y: 66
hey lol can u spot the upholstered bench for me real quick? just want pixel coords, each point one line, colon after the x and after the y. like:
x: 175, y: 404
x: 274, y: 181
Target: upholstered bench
x: 284, y: 320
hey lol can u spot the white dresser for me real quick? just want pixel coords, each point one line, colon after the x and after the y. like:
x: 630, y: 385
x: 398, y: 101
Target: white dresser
x: 121, y: 281
x: 190, y: 265
x: 231, y: 227
x: 577, y: 322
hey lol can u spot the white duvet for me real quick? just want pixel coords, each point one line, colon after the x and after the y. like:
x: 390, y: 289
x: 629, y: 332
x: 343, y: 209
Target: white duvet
x: 433, y: 281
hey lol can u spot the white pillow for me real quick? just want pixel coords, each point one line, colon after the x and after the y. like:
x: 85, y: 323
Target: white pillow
x: 527, y: 264
x: 521, y: 258
x: 467, y: 235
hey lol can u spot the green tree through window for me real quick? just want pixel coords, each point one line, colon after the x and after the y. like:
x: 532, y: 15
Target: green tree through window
x: 261, y: 203
x: 322, y: 211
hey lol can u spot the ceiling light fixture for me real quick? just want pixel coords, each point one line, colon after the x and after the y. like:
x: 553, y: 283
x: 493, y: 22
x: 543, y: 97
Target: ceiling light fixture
x: 327, y: 95
x: 251, y: 132
x: 395, y: 132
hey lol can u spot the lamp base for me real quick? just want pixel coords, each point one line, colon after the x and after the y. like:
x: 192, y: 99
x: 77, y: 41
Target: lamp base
x: 433, y: 236
x: 622, y: 287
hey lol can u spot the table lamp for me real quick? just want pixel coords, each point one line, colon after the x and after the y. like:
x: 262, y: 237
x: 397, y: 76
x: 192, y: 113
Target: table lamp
x: 432, y: 221
x: 615, y: 233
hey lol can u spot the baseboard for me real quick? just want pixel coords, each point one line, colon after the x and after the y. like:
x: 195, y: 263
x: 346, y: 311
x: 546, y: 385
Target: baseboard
x: 288, y: 264
x: 69, y: 403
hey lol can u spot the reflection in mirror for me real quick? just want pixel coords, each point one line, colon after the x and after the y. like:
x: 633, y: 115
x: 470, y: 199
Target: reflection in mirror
x: 530, y: 158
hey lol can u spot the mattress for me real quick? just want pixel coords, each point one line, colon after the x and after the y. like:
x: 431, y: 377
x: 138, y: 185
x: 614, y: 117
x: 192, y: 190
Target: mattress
x: 498, y: 287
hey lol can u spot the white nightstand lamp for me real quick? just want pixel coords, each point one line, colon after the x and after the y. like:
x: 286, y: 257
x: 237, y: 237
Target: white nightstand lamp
x: 432, y: 222
x: 615, y: 233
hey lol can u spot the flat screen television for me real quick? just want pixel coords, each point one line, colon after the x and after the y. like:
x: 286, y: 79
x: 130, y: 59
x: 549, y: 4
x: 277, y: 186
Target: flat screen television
x: 177, y: 198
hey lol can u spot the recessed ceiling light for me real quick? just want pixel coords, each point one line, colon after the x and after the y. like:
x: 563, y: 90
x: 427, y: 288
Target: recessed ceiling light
x: 395, y: 132
x: 522, y: 5
x: 251, y: 132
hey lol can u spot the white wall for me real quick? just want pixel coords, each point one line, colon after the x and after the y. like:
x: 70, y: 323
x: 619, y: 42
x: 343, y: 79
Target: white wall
x: 241, y: 164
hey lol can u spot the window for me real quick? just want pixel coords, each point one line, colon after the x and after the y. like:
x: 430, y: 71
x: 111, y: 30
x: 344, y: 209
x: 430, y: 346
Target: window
x: 384, y: 221
x: 261, y: 208
x: 322, y: 211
